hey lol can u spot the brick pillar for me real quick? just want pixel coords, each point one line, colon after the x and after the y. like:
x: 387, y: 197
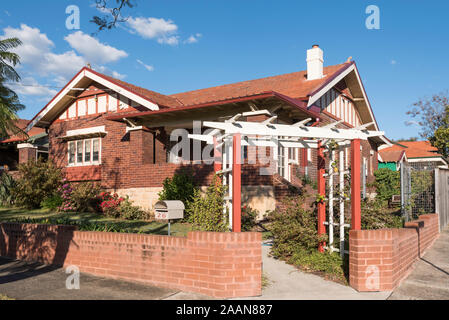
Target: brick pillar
x: 141, y: 145
x: 27, y: 152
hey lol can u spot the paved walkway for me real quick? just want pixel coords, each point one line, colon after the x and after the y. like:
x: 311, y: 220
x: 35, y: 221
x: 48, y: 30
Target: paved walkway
x: 34, y: 281
x: 288, y: 283
x: 429, y: 279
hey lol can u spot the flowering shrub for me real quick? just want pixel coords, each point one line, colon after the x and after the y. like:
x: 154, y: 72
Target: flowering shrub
x: 110, y: 204
x: 82, y: 197
x: 65, y: 190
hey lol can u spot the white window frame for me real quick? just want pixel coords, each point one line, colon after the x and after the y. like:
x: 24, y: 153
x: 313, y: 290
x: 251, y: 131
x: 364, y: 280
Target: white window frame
x: 83, y: 163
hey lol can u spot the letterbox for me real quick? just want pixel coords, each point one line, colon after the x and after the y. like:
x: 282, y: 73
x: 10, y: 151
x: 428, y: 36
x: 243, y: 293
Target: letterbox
x: 169, y: 209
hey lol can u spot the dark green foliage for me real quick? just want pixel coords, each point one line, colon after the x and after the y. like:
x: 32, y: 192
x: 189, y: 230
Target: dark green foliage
x: 179, y: 187
x: 7, y: 184
x: 388, y: 183
x: 377, y: 215
x: 249, y: 218
x: 38, y: 180
x: 52, y: 202
x: 205, y: 212
x: 294, y: 229
x: 331, y: 264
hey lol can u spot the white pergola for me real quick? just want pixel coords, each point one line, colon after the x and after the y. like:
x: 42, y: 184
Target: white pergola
x: 229, y: 136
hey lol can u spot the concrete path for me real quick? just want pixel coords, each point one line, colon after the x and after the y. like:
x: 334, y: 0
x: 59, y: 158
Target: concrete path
x: 34, y: 281
x: 288, y: 283
x: 429, y: 279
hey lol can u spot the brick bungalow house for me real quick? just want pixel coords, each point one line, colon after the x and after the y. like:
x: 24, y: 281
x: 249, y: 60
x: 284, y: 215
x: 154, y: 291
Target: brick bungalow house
x: 18, y: 148
x: 106, y: 130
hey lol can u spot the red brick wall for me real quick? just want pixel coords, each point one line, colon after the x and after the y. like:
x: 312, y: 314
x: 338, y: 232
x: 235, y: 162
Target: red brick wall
x: 221, y: 265
x: 27, y: 154
x: 380, y: 259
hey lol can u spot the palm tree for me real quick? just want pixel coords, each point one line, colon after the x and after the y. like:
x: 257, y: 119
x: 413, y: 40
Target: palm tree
x: 9, y: 101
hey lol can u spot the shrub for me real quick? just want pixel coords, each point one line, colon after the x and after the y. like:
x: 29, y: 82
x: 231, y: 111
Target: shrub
x: 130, y: 212
x: 206, y: 212
x: 179, y: 187
x: 110, y: 203
x: 7, y: 184
x: 294, y: 229
x: 38, y: 180
x: 249, y: 218
x: 84, y: 197
x: 388, y: 183
x: 377, y: 215
x: 331, y: 264
x: 53, y: 202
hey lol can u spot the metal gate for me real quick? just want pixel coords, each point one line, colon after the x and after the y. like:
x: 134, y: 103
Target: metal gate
x: 417, y: 190
x: 442, y: 196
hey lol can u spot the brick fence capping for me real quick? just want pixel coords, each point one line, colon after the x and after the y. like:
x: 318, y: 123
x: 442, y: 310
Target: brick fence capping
x: 380, y: 259
x: 223, y: 265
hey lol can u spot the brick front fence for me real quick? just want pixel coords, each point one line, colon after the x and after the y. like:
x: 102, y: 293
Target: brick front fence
x: 380, y: 259
x: 221, y: 265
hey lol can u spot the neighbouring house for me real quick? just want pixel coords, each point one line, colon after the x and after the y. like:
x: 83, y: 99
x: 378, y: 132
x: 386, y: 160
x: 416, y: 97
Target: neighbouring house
x: 18, y: 148
x: 118, y: 134
x: 418, y: 154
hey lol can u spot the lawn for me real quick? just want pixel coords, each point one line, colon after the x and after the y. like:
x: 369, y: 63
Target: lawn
x: 94, y: 219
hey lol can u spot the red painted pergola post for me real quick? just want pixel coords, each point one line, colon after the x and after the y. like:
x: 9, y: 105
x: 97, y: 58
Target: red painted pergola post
x: 321, y: 165
x: 217, y: 157
x: 356, y: 214
x: 236, y: 183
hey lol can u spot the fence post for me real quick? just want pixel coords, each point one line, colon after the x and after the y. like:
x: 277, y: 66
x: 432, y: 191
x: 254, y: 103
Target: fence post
x: 321, y: 185
x: 237, y: 184
x: 356, y: 223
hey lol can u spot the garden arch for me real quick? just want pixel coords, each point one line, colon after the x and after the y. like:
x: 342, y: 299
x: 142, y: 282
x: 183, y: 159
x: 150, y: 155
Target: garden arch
x: 231, y: 135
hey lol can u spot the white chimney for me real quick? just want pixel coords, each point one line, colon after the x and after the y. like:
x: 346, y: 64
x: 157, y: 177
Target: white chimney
x: 314, y: 63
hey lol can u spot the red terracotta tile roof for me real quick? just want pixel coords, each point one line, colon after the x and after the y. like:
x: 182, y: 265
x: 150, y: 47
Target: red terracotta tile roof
x: 159, y: 99
x: 413, y: 149
x: 391, y: 155
x: 294, y: 85
x: 22, y: 124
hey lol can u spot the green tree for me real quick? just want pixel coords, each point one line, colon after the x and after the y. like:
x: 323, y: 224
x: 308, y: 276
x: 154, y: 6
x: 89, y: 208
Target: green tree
x: 440, y: 138
x: 433, y: 117
x: 9, y: 101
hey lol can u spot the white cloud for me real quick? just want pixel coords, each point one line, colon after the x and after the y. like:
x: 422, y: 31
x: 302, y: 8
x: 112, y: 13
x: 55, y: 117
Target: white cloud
x: 93, y: 50
x: 30, y: 87
x: 164, y: 31
x: 193, y: 38
x: 36, y: 53
x: 393, y: 62
x: 148, y: 67
x: 39, y: 61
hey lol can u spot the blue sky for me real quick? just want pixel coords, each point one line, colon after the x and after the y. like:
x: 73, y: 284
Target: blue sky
x: 171, y: 46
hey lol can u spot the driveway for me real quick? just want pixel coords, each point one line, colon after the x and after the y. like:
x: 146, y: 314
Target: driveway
x: 34, y: 281
x: 429, y: 279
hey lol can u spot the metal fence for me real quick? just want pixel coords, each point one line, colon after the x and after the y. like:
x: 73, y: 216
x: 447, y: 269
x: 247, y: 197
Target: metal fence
x: 417, y: 190
x: 442, y: 196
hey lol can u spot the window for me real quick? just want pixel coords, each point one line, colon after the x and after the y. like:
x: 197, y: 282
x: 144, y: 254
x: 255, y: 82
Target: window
x: 71, y: 152
x: 84, y: 152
